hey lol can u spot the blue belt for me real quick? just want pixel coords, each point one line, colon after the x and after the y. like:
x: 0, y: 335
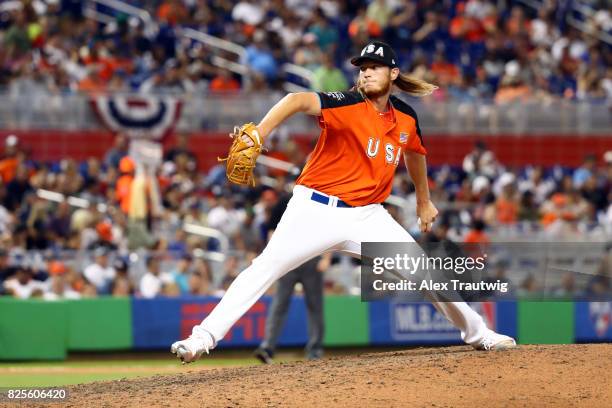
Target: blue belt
x: 320, y: 198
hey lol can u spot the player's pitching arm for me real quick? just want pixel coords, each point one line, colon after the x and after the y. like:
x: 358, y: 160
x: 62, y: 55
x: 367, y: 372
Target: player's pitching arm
x: 292, y: 103
x: 417, y: 168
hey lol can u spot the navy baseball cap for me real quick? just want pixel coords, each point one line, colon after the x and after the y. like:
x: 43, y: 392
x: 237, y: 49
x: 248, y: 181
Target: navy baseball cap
x: 376, y: 51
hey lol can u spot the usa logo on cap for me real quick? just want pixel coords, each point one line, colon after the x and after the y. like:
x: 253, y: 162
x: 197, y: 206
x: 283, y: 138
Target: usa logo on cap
x: 369, y: 49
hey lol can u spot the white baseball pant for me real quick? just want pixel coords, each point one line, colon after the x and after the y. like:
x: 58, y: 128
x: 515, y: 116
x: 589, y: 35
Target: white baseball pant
x: 308, y: 229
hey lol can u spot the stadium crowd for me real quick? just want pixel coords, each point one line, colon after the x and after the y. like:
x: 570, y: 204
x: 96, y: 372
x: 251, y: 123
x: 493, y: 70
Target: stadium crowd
x: 93, y: 244
x: 58, y: 248
x: 476, y: 49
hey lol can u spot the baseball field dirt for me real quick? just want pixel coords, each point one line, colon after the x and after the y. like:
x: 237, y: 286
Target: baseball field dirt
x: 529, y: 376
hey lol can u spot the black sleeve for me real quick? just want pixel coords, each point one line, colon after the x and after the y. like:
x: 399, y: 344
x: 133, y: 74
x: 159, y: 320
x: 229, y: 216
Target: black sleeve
x: 408, y: 110
x: 338, y: 99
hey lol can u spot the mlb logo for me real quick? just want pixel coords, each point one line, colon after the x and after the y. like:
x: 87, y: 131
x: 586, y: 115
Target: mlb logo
x: 403, y: 137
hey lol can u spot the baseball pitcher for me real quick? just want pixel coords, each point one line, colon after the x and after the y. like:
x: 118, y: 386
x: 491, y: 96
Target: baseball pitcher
x: 336, y: 202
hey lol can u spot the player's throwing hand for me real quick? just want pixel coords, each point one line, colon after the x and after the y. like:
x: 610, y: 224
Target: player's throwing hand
x: 427, y: 213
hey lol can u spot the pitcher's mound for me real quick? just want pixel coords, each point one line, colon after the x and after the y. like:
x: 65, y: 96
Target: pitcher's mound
x: 528, y: 376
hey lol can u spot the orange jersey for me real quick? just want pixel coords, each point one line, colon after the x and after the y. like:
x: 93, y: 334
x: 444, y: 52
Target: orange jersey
x: 359, y: 148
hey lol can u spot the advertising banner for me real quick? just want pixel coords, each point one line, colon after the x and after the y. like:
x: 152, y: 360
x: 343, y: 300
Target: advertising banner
x: 399, y: 322
x: 593, y: 321
x: 157, y: 323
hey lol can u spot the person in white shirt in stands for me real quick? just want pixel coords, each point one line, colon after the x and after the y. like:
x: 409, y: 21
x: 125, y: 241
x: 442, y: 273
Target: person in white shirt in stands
x: 154, y: 281
x: 57, y: 287
x: 22, y: 285
x: 100, y: 273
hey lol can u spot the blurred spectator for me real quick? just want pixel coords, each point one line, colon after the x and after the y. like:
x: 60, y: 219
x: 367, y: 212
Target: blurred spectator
x: 198, y: 284
x: 482, y: 37
x: 104, y: 229
x: 181, y: 147
x: 480, y: 161
x: 362, y: 28
x: 248, y: 12
x: 528, y: 209
x: 466, y: 27
x: 119, y: 150
x: 224, y: 82
x: 584, y: 172
x: 123, y: 189
x: 154, y: 282
x: 10, y: 160
x: 537, y: 184
x: 529, y: 286
x: 567, y: 287
x: 58, y: 287
x: 16, y: 39
x: 92, y: 84
x: 22, y: 285
x: 326, y: 34
x: 505, y: 209
x: 328, y: 78
x: 69, y: 181
x: 380, y: 12
x: 172, y: 12
x: 6, y: 270
x: 308, y: 55
x: 512, y: 89
x: 259, y: 58
x: 224, y: 216
x: 17, y: 188
x: 601, y: 283
x: 477, y: 234
x: 181, y: 274
x: 100, y: 274
x: 121, y: 285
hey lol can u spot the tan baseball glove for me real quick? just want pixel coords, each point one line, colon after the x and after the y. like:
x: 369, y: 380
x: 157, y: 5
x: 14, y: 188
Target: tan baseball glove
x: 243, y: 154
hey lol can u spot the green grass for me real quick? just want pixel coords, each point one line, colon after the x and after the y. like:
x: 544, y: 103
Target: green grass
x: 51, y: 373
x: 55, y: 380
x: 127, y: 363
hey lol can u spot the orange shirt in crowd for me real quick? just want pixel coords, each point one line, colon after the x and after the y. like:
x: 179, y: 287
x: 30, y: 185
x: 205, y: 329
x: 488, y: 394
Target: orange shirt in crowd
x: 220, y: 84
x: 359, y: 148
x: 467, y: 28
x: 506, y: 210
x: 510, y: 94
x: 172, y: 12
x: 8, y: 169
x: 122, y: 191
x: 445, y: 71
x: 88, y: 85
x: 476, y: 237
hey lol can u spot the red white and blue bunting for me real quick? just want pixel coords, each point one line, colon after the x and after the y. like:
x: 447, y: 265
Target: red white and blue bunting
x: 149, y: 117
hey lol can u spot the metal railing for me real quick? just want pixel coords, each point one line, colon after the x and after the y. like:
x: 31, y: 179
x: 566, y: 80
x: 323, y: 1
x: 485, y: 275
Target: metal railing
x: 91, y: 11
x: 103, y: 208
x: 208, y: 112
x: 582, y: 10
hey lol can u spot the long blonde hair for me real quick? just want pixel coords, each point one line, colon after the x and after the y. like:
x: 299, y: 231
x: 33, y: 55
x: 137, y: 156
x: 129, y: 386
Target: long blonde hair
x: 412, y: 86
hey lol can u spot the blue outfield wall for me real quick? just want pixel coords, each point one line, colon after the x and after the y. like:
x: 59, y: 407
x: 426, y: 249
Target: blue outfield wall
x: 593, y: 322
x: 159, y: 322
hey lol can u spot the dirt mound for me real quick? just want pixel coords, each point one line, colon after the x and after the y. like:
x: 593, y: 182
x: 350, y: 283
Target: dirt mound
x: 543, y: 376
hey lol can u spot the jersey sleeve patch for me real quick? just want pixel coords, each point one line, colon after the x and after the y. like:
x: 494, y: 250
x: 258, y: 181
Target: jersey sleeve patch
x: 338, y: 99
